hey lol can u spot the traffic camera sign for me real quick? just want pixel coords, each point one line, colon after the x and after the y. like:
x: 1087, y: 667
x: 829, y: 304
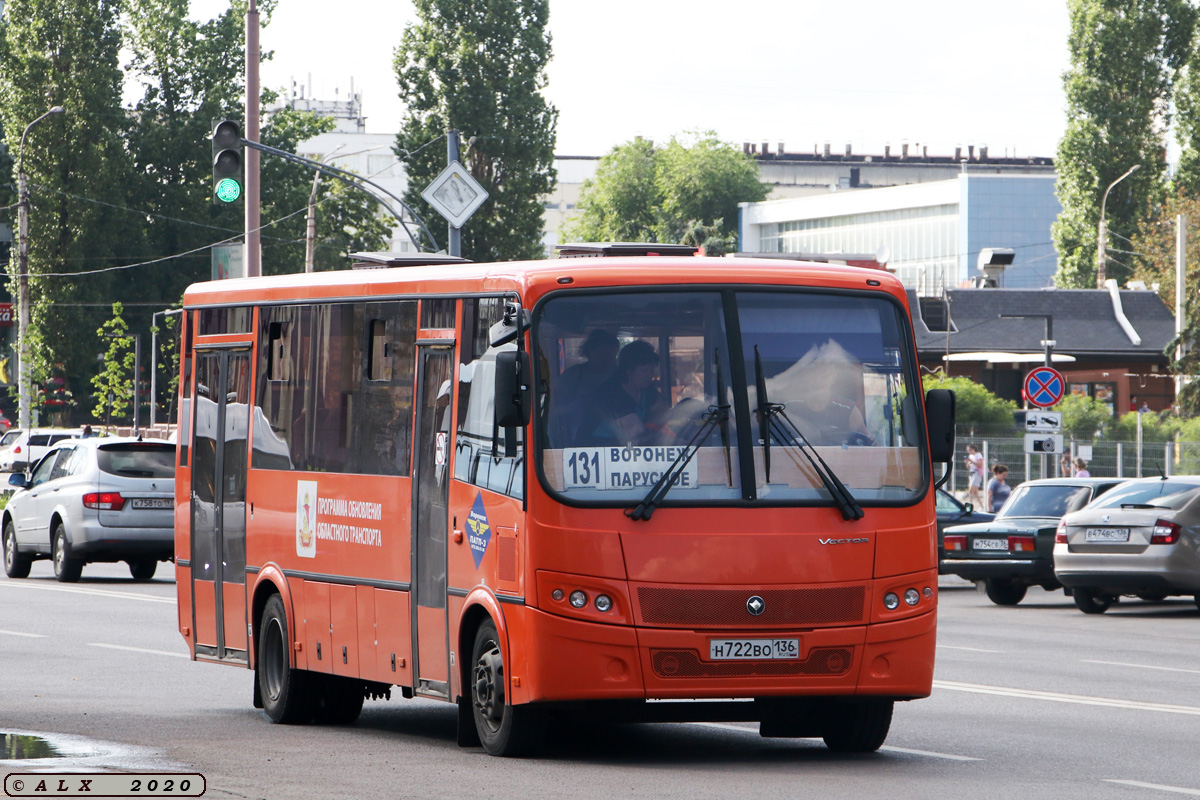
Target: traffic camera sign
x: 455, y: 194
x: 1044, y: 387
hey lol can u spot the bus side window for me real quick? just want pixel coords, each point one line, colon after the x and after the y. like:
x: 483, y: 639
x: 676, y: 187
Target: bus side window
x: 477, y: 461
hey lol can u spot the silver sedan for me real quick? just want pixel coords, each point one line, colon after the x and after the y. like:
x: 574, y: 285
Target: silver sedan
x: 1142, y: 539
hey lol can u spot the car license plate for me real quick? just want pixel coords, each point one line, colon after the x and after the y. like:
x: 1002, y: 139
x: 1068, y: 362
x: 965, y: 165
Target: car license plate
x: 746, y: 649
x: 1107, y: 535
x: 152, y: 502
x: 991, y: 544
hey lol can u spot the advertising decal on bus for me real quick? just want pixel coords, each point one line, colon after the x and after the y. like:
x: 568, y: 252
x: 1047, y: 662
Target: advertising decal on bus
x: 481, y: 530
x: 306, y: 529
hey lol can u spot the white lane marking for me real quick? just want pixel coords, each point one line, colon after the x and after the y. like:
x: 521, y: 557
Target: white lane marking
x: 1141, y: 666
x: 80, y: 590
x: 1159, y: 786
x: 928, y: 753
x: 968, y: 649
x: 1055, y: 697
x: 139, y: 650
x: 27, y: 635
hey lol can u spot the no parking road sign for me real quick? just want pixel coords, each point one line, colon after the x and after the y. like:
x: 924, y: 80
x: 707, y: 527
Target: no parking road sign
x: 1044, y: 387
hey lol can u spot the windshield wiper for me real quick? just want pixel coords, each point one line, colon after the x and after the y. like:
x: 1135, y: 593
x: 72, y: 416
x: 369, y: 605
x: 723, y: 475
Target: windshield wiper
x: 717, y: 415
x: 772, y: 418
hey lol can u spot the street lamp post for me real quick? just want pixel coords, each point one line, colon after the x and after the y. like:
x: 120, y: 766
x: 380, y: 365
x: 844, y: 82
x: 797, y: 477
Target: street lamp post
x: 23, y: 277
x: 170, y: 312
x: 1102, y: 241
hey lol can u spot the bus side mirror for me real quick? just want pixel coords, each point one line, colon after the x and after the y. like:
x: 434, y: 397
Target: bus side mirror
x: 939, y: 415
x: 512, y: 388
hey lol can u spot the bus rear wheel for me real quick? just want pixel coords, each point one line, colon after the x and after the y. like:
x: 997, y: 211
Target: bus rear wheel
x: 285, y: 691
x: 858, y: 726
x: 504, y: 729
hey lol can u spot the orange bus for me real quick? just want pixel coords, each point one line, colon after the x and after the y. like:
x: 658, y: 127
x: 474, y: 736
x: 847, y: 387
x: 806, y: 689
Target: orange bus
x: 641, y: 486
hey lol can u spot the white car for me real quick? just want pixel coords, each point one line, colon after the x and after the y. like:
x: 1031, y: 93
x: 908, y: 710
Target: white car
x: 94, y: 499
x: 27, y: 447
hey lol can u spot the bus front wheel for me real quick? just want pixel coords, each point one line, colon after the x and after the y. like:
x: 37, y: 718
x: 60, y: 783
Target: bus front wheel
x: 858, y: 726
x: 504, y: 729
x: 285, y: 691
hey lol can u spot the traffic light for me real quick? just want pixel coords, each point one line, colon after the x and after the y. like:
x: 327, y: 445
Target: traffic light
x: 227, y: 162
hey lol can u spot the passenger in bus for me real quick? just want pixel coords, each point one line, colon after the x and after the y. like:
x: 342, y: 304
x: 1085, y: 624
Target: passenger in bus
x: 628, y: 408
x: 577, y: 386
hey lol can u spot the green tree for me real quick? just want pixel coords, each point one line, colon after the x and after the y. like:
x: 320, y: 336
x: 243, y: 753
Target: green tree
x: 1124, y: 57
x: 974, y: 406
x: 1156, y: 242
x: 116, y: 376
x: 688, y: 188
x: 621, y: 202
x: 480, y: 68
x: 66, y: 52
x: 1083, y: 417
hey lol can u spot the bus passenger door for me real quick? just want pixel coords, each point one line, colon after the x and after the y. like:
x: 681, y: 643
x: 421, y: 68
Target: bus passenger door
x: 219, y: 441
x: 431, y: 459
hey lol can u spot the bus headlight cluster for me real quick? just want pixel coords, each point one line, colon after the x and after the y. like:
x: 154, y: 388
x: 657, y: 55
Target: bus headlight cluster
x: 579, y: 599
x: 891, y: 600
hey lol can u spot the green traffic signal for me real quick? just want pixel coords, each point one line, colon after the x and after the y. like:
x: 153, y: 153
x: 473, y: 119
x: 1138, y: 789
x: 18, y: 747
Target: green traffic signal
x: 227, y: 162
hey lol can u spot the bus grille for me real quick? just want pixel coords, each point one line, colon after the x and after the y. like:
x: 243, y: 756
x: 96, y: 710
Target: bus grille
x: 723, y: 608
x: 686, y: 664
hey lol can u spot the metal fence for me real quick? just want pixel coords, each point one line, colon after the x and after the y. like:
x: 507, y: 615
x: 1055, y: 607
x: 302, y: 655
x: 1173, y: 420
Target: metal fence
x: 1117, y: 458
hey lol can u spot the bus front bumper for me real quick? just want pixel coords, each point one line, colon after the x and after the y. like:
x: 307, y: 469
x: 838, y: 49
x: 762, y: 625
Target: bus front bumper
x: 570, y: 660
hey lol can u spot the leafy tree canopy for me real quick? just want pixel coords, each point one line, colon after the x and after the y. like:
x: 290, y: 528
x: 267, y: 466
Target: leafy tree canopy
x: 480, y: 68
x: 690, y: 188
x: 1124, y: 58
x: 974, y: 405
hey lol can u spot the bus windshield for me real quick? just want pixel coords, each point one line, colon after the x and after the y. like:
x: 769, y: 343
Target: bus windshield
x: 631, y: 382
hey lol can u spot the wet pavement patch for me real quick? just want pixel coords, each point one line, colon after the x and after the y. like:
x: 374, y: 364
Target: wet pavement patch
x: 41, y: 751
x: 21, y: 746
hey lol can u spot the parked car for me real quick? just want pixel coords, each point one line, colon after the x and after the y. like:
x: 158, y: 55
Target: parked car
x: 1016, y: 549
x: 1142, y: 538
x: 952, y: 511
x: 109, y: 499
x: 29, y: 446
x: 7, y: 440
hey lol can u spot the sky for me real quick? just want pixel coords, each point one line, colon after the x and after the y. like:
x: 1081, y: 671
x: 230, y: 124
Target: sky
x: 868, y: 73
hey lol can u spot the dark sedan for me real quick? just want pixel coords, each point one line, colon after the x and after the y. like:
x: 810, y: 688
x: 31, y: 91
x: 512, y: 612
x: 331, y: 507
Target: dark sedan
x: 1016, y: 549
x: 952, y: 511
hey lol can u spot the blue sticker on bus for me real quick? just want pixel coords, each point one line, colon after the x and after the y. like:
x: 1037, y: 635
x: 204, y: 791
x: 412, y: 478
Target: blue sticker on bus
x: 480, y: 531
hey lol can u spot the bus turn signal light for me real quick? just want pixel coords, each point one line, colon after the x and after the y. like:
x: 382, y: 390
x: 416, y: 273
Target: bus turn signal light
x: 104, y: 501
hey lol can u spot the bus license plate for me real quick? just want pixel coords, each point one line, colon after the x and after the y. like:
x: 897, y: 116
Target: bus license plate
x: 991, y: 544
x: 757, y: 649
x: 1107, y: 535
x: 152, y: 502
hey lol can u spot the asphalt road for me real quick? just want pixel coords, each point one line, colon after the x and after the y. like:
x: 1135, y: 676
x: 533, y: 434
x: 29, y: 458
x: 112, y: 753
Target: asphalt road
x: 1033, y: 701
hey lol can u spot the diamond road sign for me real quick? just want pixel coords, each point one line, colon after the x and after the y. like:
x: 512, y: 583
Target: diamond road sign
x: 455, y: 194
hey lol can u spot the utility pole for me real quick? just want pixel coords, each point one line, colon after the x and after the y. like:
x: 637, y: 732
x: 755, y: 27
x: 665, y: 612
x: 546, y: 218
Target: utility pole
x: 1102, y: 240
x: 455, y: 234
x: 253, y: 197
x: 23, y: 278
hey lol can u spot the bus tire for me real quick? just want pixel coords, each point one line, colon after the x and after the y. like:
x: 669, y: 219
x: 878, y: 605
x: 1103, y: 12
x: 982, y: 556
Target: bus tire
x: 286, y: 695
x: 1004, y: 592
x: 504, y: 729
x: 338, y: 700
x: 15, y: 564
x: 858, y: 726
x: 66, y: 568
